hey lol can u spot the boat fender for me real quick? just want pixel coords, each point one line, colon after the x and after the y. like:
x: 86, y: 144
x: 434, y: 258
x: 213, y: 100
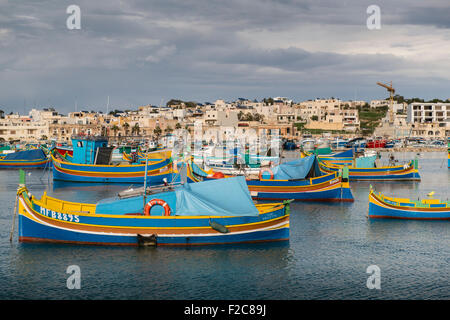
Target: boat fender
x: 159, y: 202
x: 147, y: 240
x: 265, y: 170
x: 218, y: 227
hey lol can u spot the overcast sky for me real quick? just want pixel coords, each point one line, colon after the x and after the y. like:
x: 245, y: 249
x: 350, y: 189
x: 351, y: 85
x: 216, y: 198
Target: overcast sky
x: 144, y: 52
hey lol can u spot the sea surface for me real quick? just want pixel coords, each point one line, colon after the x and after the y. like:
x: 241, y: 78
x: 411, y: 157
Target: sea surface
x: 330, y: 248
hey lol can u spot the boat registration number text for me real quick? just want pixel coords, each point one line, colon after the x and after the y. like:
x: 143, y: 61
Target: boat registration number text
x: 59, y: 216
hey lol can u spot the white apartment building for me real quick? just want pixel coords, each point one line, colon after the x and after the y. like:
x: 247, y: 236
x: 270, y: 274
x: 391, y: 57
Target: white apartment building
x: 422, y: 112
x: 429, y: 119
x: 221, y: 118
x: 23, y: 128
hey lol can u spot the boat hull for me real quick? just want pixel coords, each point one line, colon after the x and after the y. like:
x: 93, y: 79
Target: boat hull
x: 20, y: 164
x: 329, y: 188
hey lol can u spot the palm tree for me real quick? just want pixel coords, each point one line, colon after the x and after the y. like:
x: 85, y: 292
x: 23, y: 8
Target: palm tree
x: 136, y: 128
x: 115, y: 129
x: 157, y: 131
x: 178, y: 126
x: 126, y: 126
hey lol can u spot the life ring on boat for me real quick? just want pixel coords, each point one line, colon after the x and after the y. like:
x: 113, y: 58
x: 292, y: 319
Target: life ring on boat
x: 265, y: 170
x: 159, y: 202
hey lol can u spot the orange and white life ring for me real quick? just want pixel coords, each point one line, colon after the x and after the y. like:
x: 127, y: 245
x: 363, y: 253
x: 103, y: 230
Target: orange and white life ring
x: 159, y: 202
x: 265, y: 170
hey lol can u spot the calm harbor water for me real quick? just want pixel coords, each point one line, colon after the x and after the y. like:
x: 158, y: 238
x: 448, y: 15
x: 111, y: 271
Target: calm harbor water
x: 330, y: 247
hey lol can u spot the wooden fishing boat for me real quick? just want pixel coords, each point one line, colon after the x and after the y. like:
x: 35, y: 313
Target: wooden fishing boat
x: 381, y: 206
x: 295, y: 181
x: 190, y: 214
x: 92, y: 163
x: 448, y: 156
x: 339, y: 158
x: 404, y: 172
x: 28, y: 159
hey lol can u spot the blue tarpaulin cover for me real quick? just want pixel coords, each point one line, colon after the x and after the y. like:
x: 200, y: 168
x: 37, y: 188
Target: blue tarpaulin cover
x: 345, y: 154
x: 221, y: 197
x: 293, y: 170
x: 366, y: 162
x: 35, y: 154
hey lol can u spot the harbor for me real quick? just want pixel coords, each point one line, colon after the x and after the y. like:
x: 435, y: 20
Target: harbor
x: 330, y: 246
x: 224, y: 159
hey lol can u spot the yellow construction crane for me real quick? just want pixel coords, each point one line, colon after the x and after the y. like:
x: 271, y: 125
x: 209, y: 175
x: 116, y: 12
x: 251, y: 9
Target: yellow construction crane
x: 391, y: 91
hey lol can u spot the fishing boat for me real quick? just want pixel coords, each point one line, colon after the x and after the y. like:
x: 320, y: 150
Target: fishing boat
x: 381, y: 206
x: 29, y: 159
x: 183, y: 215
x: 408, y: 171
x: 376, y: 143
x: 92, y: 163
x: 448, y: 154
x: 338, y: 143
x: 299, y: 180
x: 340, y: 158
x: 357, y: 144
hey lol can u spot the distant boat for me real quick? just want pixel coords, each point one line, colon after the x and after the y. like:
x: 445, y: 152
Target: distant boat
x: 28, y: 159
x: 381, y: 206
x: 376, y: 143
x: 338, y: 143
x: 362, y: 171
x: 185, y: 215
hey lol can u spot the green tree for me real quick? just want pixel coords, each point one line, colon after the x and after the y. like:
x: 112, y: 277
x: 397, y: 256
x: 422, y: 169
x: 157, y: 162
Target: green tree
x: 126, y: 126
x: 115, y: 128
x: 157, y: 131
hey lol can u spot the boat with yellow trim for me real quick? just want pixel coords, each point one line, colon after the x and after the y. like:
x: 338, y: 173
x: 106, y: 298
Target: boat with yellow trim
x: 189, y: 214
x: 26, y: 159
x: 91, y: 162
x: 381, y: 206
x: 299, y: 180
x: 408, y: 171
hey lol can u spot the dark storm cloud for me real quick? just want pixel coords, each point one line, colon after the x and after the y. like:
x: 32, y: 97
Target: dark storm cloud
x: 140, y: 52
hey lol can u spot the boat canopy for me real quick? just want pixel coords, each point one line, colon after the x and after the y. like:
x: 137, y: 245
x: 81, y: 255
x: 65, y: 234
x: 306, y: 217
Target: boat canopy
x: 207, y: 198
x: 293, y: 170
x: 35, y: 154
x: 213, y: 197
x: 346, y: 153
x: 366, y: 162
